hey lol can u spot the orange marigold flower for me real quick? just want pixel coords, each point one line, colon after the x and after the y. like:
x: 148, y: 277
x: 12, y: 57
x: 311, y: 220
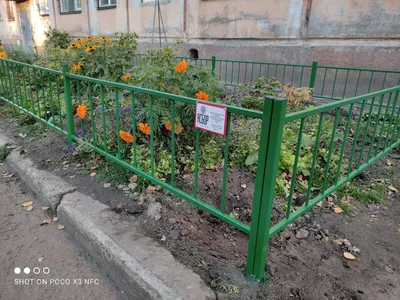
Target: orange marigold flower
x: 77, y: 66
x: 126, y: 136
x: 91, y: 48
x: 202, y: 96
x: 145, y: 128
x: 181, y: 67
x: 126, y: 77
x: 81, y: 111
x: 3, y: 55
x: 1, y: 47
x: 105, y: 39
x: 178, y: 127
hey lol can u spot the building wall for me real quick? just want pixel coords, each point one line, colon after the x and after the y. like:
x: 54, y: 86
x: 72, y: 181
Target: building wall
x: 299, y: 31
x: 10, y: 31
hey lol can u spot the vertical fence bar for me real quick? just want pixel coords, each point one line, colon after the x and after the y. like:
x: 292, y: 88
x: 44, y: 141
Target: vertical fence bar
x: 173, y: 143
x: 196, y: 165
x: 294, y: 173
x: 151, y: 136
x: 213, y: 61
x: 117, y: 119
x: 314, y: 160
x: 313, y: 76
x: 268, y: 158
x: 375, y: 126
x: 226, y: 161
x: 90, y: 96
x: 133, y: 116
x: 68, y: 104
x: 396, y: 95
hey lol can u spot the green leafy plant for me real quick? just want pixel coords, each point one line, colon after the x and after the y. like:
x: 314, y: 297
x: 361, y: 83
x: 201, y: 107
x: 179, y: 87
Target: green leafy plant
x: 56, y: 38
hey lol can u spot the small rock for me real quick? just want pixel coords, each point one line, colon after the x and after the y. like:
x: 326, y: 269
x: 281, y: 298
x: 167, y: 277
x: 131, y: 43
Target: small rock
x: 325, y: 231
x: 132, y: 186
x: 389, y: 269
x: 213, y: 273
x: 225, y: 235
x: 72, y: 176
x: 172, y: 221
x: 133, y: 207
x: 318, y: 237
x: 107, y: 185
x: 184, y: 232
x: 154, y: 210
x: 243, y: 185
x: 270, y: 270
x: 163, y: 239
x: 302, y: 234
x: 285, y: 235
x: 174, y: 234
x: 300, y: 200
x: 55, y: 219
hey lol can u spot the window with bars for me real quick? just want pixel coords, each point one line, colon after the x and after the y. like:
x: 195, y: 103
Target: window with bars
x: 10, y: 11
x: 107, y: 3
x: 70, y: 6
x: 43, y: 6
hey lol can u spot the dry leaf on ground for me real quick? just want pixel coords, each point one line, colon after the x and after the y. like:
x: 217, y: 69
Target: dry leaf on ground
x: 349, y: 256
x: 46, y: 220
x: 392, y: 188
x: 28, y: 203
x: 337, y: 210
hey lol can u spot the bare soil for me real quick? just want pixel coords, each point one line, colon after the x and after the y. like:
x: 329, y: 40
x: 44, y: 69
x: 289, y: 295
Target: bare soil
x: 312, y: 268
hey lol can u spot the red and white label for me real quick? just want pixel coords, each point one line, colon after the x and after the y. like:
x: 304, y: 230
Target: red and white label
x: 211, y: 117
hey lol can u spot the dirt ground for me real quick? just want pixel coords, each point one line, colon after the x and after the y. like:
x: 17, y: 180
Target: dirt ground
x: 311, y: 268
x: 26, y: 244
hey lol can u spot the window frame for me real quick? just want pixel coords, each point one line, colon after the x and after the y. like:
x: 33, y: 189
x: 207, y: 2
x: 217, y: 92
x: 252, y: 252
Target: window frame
x: 39, y: 6
x: 10, y: 11
x: 110, y: 6
x: 71, y: 12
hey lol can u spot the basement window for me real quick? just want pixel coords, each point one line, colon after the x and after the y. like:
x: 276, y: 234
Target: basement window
x: 107, y: 4
x: 70, y: 6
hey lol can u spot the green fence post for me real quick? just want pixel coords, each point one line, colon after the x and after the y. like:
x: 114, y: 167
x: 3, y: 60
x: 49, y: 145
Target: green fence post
x: 268, y: 159
x: 68, y: 104
x: 313, y: 74
x: 213, y: 63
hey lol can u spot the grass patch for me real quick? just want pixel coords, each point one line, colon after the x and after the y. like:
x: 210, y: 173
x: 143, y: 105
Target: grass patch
x: 4, y: 151
x: 114, y: 173
x: 368, y: 194
x: 8, y: 111
x: 345, y: 207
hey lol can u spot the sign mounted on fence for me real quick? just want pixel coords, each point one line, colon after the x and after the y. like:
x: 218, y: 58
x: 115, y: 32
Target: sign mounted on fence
x: 211, y: 117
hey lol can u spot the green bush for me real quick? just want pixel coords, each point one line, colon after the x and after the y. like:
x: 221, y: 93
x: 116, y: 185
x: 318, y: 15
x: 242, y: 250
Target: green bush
x: 56, y: 38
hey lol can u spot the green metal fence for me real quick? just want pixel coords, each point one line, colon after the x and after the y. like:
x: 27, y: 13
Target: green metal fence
x: 328, y: 82
x: 333, y: 142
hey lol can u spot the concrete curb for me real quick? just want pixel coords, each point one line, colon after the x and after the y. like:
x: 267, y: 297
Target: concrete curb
x: 137, y: 264
x: 49, y: 188
x: 142, y: 268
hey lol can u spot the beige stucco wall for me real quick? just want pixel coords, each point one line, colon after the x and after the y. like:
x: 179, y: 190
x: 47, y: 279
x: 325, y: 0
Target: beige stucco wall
x: 224, y: 19
x: 9, y: 30
x: 255, y: 19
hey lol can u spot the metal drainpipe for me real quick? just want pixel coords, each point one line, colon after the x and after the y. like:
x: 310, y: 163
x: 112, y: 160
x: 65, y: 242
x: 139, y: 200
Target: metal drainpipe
x: 127, y: 16
x: 88, y: 18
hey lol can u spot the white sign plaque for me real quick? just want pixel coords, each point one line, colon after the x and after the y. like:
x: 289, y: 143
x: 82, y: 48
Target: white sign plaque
x: 211, y: 117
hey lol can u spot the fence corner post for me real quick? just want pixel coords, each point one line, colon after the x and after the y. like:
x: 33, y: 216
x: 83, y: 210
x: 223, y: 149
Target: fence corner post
x: 273, y: 121
x: 313, y: 74
x: 213, y: 63
x: 68, y: 104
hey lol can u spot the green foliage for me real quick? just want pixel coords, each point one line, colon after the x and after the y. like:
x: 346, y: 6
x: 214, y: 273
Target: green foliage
x: 365, y: 193
x: 98, y: 57
x: 4, y: 151
x: 56, y: 38
x: 21, y: 53
x: 114, y: 173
